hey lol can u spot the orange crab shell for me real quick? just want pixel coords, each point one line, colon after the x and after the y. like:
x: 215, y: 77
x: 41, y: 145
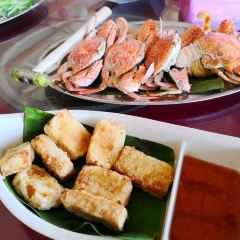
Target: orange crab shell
x: 84, y: 54
x: 220, y: 48
x: 159, y: 53
x: 123, y: 57
x: 148, y: 30
x: 228, y: 26
x: 191, y: 34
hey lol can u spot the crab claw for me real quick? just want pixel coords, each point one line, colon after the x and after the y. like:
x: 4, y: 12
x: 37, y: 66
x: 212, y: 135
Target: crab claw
x: 195, y: 32
x: 228, y: 26
x: 87, y: 76
x: 130, y: 81
x: 180, y: 77
x: 122, y: 26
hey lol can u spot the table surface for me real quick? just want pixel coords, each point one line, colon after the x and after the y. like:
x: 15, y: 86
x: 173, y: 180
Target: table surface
x: 220, y: 115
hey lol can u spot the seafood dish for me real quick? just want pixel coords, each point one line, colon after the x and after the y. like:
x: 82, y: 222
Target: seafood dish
x: 150, y: 63
x: 105, y: 180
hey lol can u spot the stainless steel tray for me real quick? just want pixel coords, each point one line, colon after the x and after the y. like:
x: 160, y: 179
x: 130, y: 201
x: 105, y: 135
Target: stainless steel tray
x: 27, y: 52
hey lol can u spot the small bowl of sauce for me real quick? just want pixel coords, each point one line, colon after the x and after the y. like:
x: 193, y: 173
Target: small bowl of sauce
x: 207, y: 206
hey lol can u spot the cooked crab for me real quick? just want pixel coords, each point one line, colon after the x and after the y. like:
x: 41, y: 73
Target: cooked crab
x: 163, y: 55
x: 85, y: 62
x: 218, y: 52
x: 121, y: 65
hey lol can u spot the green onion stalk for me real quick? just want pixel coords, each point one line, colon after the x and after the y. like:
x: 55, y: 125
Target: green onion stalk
x: 31, y: 77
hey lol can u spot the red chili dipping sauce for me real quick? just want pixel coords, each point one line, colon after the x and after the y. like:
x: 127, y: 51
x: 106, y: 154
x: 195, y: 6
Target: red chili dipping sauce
x: 208, y: 203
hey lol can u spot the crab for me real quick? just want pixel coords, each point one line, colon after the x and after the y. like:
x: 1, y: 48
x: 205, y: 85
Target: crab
x: 160, y: 57
x: 122, y: 65
x: 163, y: 55
x: 160, y: 54
x: 85, y: 61
x: 218, y: 52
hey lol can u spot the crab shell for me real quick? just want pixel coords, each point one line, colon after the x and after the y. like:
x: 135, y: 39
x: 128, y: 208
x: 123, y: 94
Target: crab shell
x: 191, y: 34
x: 163, y: 53
x: 218, y: 50
x: 123, y: 57
x: 85, y: 53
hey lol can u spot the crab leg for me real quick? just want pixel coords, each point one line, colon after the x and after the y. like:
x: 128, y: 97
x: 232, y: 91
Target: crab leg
x: 66, y: 75
x: 223, y: 76
x: 233, y: 77
x: 148, y: 33
x: 163, y: 85
x: 58, y: 77
x: 130, y: 81
x: 86, y: 91
x: 83, y: 91
x: 108, y: 31
x: 150, y: 82
x: 122, y: 27
x: 148, y: 73
x: 180, y: 77
x: 144, y: 87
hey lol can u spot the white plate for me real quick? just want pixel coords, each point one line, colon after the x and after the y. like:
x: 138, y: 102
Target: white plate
x: 220, y: 149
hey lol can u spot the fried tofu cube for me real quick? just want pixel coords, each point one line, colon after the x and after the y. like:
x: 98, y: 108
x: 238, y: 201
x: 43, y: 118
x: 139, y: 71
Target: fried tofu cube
x: 105, y: 183
x: 69, y: 134
x: 148, y: 173
x: 106, y: 144
x: 54, y: 158
x: 17, y: 159
x: 95, y: 208
x: 38, y: 188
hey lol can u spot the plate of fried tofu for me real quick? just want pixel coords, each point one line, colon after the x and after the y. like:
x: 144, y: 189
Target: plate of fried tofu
x: 97, y: 175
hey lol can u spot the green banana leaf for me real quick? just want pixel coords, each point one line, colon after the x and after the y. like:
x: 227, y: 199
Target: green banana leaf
x: 146, y: 213
x: 200, y: 85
